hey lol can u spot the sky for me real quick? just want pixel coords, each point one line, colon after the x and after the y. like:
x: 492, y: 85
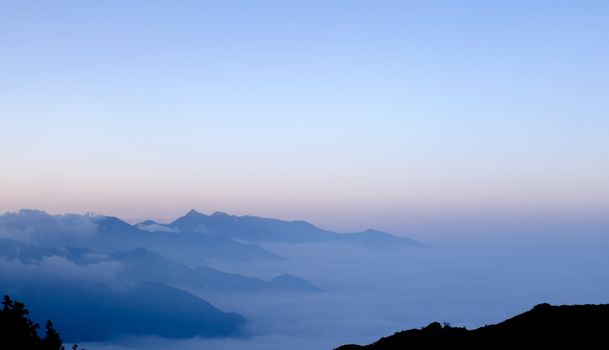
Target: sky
x: 349, y: 114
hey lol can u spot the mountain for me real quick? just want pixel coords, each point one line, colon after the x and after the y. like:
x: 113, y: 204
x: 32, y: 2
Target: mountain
x: 543, y: 327
x: 188, y: 247
x: 93, y: 312
x: 191, y: 239
x: 144, y: 265
x: 256, y: 230
x: 108, y: 234
x: 91, y: 296
x: 290, y: 282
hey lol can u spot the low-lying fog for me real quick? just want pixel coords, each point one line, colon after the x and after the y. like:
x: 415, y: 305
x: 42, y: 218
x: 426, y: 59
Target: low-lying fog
x: 368, y: 293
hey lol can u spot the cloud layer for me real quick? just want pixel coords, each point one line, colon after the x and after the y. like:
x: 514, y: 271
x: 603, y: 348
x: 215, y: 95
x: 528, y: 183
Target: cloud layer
x: 30, y: 225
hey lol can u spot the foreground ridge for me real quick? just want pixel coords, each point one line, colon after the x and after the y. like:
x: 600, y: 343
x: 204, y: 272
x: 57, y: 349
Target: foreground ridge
x: 543, y: 327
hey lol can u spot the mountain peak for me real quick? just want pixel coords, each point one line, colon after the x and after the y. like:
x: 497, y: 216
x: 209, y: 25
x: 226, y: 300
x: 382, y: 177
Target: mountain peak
x: 192, y: 212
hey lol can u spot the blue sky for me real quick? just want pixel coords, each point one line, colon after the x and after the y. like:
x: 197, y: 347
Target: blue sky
x: 347, y: 113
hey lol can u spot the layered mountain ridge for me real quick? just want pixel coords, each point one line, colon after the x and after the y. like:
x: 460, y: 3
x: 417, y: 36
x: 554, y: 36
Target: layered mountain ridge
x: 256, y: 230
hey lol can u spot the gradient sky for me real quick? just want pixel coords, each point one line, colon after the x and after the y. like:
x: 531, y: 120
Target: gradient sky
x: 349, y: 114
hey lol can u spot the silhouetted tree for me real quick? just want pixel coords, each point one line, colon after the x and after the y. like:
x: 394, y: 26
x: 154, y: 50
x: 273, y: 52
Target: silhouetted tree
x: 17, y: 331
x: 52, y: 340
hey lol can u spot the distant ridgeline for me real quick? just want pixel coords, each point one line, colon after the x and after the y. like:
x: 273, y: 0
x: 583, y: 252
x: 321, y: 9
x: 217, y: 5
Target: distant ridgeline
x: 18, y: 332
x: 99, y: 277
x: 543, y: 327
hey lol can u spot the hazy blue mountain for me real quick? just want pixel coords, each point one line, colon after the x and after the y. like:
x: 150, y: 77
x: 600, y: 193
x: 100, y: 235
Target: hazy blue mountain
x: 187, y: 247
x: 89, y: 312
x: 107, y: 234
x: 91, y: 296
x: 290, y: 282
x: 375, y: 238
x: 144, y: 265
x: 256, y: 230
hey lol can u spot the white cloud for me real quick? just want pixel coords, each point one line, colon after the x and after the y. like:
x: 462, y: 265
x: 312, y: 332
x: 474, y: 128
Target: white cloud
x: 60, y: 268
x: 156, y: 228
x: 30, y: 225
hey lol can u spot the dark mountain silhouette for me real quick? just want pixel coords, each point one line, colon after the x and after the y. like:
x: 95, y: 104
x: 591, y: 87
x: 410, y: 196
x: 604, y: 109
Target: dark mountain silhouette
x: 543, y: 327
x: 257, y: 230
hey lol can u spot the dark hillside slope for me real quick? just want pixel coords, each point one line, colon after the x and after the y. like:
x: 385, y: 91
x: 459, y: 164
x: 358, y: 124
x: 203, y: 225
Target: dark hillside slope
x: 543, y: 327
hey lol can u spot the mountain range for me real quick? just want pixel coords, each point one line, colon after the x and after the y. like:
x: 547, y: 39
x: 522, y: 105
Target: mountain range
x: 99, y: 277
x: 256, y: 230
x: 97, y: 312
x: 142, y: 265
x: 191, y: 239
